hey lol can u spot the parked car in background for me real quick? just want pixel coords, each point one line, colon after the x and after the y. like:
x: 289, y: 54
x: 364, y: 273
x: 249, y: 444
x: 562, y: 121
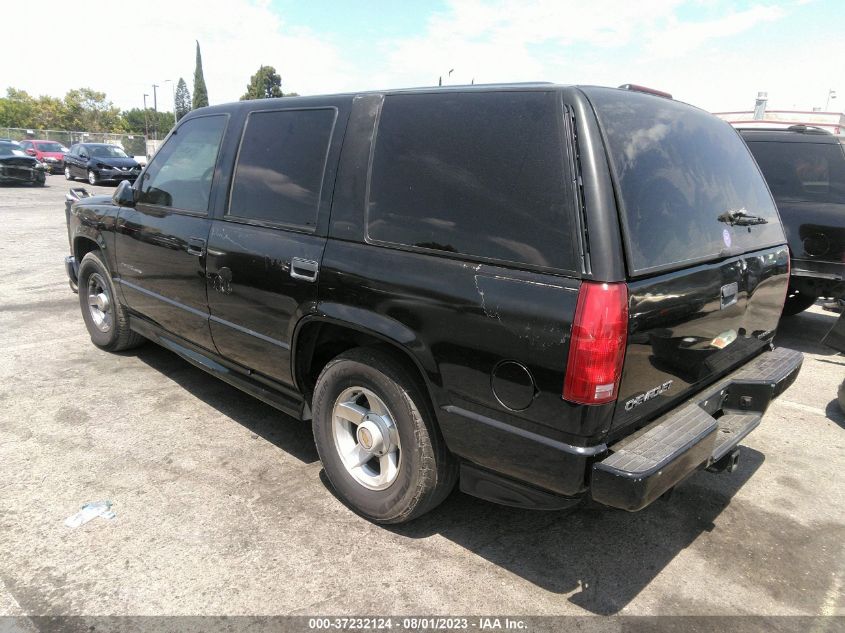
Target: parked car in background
x: 97, y: 162
x: 18, y: 168
x: 805, y: 169
x: 520, y: 287
x: 52, y: 153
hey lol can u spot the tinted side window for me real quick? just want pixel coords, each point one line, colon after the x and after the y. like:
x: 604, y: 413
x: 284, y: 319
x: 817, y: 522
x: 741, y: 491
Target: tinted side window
x: 802, y: 171
x: 481, y: 174
x: 280, y: 166
x: 180, y: 174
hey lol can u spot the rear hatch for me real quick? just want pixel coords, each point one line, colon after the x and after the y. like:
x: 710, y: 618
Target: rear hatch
x: 705, y: 251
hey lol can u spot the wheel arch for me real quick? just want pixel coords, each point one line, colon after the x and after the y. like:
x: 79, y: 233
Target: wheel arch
x: 319, y: 338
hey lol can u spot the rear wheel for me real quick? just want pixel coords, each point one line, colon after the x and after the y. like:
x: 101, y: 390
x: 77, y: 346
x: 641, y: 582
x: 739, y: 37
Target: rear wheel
x: 797, y: 302
x: 105, y: 318
x: 375, y: 434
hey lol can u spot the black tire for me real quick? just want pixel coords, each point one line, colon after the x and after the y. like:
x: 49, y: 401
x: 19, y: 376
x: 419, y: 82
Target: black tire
x: 116, y: 336
x: 427, y: 471
x: 93, y: 178
x: 796, y: 302
x: 68, y: 174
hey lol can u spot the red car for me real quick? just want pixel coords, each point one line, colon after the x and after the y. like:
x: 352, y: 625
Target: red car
x: 50, y: 152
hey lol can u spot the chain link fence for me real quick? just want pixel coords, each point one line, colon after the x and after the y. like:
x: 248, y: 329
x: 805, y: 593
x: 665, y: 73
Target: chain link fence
x: 132, y: 144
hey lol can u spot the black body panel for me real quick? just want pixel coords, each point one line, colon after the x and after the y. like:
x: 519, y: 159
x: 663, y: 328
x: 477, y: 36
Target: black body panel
x: 227, y: 282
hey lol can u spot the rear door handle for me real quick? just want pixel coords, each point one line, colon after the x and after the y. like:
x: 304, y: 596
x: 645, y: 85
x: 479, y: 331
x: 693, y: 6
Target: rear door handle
x: 304, y: 269
x: 196, y: 246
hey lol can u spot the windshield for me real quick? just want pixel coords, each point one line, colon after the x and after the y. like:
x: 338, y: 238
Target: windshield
x: 11, y: 149
x: 103, y: 151
x: 49, y: 147
x: 810, y: 172
x: 684, y: 178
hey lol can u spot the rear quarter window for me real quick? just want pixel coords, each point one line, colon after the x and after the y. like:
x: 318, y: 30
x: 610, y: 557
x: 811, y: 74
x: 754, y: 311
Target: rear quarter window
x: 481, y: 175
x: 677, y: 169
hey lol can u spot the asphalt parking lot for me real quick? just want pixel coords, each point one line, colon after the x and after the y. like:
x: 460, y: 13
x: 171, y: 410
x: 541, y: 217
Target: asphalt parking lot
x: 221, y: 507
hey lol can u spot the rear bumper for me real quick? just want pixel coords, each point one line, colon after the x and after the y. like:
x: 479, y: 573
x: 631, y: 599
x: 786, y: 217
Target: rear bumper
x: 643, y: 466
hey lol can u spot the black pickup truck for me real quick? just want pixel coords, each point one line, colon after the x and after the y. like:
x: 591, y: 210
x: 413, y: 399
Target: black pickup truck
x: 542, y: 291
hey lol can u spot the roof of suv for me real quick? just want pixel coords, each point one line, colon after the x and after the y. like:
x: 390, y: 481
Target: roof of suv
x: 315, y: 100
x: 792, y: 134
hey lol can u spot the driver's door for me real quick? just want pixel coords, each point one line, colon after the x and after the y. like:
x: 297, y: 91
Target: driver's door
x: 161, y: 243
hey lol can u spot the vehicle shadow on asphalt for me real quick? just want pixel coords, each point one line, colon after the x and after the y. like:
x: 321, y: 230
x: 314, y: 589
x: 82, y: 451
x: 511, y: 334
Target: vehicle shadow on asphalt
x: 292, y: 436
x: 834, y: 413
x: 804, y: 332
x: 605, y: 556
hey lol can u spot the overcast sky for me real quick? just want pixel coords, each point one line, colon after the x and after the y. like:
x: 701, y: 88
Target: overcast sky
x: 712, y: 53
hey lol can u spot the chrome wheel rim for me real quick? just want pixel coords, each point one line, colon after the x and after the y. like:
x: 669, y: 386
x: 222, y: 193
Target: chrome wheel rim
x: 366, y: 438
x: 67, y: 173
x: 99, y: 303
x: 92, y: 178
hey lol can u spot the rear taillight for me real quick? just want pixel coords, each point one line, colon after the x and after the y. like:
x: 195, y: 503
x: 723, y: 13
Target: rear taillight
x: 597, y: 347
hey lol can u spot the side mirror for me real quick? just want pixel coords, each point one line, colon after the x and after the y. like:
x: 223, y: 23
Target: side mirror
x: 124, y: 195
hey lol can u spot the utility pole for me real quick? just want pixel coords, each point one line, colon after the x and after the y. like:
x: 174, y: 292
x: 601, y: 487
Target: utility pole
x: 155, y: 113
x: 146, y: 123
x: 831, y: 94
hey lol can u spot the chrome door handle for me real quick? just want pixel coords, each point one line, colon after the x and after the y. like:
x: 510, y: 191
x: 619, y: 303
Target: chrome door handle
x: 196, y: 246
x: 304, y: 269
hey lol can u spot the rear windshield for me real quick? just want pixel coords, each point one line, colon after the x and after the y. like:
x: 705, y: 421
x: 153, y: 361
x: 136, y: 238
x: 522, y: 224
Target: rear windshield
x: 678, y: 169
x: 802, y: 171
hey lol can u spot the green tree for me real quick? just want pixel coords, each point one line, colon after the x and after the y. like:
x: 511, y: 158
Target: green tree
x: 264, y: 84
x: 183, y: 99
x: 49, y: 113
x: 200, y: 92
x: 135, y: 123
x: 17, y: 109
x: 90, y: 110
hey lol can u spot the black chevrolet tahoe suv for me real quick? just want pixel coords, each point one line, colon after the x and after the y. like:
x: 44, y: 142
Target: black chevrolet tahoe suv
x: 805, y: 169
x: 543, y: 292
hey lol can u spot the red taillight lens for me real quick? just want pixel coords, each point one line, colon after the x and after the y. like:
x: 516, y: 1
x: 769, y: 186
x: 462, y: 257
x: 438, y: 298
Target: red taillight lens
x: 597, y: 348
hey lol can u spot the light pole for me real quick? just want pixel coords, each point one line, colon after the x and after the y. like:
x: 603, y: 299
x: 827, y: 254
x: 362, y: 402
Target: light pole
x: 449, y: 74
x: 155, y: 113
x: 173, y: 90
x: 146, y: 124
x: 831, y: 94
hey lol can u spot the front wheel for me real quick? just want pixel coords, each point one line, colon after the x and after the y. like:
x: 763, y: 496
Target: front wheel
x: 105, y: 318
x: 92, y: 177
x: 375, y: 434
x: 68, y: 175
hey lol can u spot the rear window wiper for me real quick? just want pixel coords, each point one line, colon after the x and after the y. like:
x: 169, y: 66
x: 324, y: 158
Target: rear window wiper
x: 740, y: 217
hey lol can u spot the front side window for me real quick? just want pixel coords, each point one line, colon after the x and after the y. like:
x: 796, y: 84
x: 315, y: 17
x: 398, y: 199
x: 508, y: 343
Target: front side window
x: 179, y: 176
x: 477, y: 174
x: 280, y: 166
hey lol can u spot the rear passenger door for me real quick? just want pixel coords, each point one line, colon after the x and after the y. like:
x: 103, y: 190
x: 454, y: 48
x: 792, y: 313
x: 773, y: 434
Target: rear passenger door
x: 264, y: 254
